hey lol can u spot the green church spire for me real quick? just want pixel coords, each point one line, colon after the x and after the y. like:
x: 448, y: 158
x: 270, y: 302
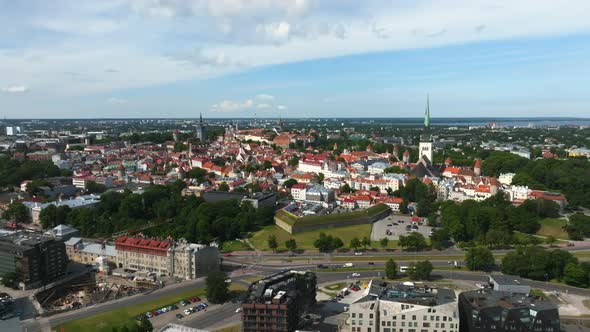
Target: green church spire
x: 427, y: 113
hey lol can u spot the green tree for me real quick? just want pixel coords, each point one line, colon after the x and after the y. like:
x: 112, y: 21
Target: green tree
x: 10, y: 279
x: 291, y: 244
x: 384, y: 242
x: 95, y: 188
x: 16, y: 211
x: 216, y: 288
x: 366, y: 242
x: 345, y: 188
x: 440, y: 239
x: 574, y: 275
x: 420, y: 270
x: 479, y: 259
x: 290, y: 183
x: 223, y: 187
x: 413, y: 240
x: 272, y: 242
x: 355, y: 243
x: 551, y: 240
x: 145, y: 326
x: 391, y: 269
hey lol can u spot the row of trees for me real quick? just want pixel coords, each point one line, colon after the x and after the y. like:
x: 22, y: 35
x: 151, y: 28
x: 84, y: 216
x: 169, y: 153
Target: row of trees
x: 570, y: 176
x: 541, y: 264
x: 421, y: 270
x: 493, y: 220
x: 184, y: 217
x: 578, y: 226
x: 13, y: 172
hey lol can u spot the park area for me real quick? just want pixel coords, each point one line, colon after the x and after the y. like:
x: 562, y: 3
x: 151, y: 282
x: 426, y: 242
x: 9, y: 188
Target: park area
x: 305, y: 240
x: 553, y: 227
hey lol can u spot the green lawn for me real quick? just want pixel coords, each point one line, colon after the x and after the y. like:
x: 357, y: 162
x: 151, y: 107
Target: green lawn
x: 105, y: 321
x: 336, y: 286
x: 553, y: 227
x: 234, y: 245
x: 305, y: 240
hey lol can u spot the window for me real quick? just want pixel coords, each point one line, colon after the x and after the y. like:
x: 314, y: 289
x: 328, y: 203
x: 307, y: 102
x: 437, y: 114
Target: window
x: 413, y: 317
x: 353, y: 322
x: 371, y: 316
x: 360, y: 322
x: 353, y: 315
x: 360, y: 315
x: 425, y: 324
x: 444, y: 318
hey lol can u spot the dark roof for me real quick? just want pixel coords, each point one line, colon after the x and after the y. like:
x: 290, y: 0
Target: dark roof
x: 486, y: 298
x: 503, y: 279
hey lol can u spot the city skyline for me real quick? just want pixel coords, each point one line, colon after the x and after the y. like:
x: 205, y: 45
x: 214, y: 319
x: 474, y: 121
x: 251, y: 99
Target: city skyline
x: 306, y: 59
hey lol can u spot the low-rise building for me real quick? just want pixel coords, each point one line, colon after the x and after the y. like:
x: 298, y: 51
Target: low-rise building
x: 34, y: 208
x: 85, y: 252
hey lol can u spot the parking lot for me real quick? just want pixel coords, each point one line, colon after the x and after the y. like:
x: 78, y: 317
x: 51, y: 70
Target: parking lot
x: 172, y: 313
x: 398, y: 226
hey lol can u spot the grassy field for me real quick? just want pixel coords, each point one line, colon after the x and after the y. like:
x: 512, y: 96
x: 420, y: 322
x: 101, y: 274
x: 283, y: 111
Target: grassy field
x: 105, y: 321
x: 553, y: 227
x: 582, y: 254
x: 235, y: 245
x: 233, y: 328
x: 336, y: 286
x: 305, y: 240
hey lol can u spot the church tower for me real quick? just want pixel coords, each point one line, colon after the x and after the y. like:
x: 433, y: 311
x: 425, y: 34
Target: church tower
x: 425, y: 146
x: 200, y: 130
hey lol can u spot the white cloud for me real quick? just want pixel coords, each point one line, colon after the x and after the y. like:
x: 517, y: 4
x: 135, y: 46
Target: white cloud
x: 232, y: 106
x: 117, y: 101
x: 281, y: 107
x: 15, y: 89
x: 77, y: 26
x: 263, y: 106
x: 264, y: 96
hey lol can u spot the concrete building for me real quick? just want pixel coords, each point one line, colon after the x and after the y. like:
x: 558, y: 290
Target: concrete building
x: 63, y: 232
x: 278, y: 302
x: 403, y: 308
x: 37, y: 260
x: 508, y: 283
x: 85, y: 252
x: 487, y: 310
x: 35, y: 208
x: 166, y: 257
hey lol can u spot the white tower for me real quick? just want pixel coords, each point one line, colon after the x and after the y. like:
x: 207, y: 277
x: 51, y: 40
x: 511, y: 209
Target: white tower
x: 425, y: 149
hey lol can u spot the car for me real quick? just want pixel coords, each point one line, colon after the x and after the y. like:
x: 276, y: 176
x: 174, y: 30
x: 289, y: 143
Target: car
x: 196, y: 308
x: 395, y: 224
x: 179, y: 316
x: 184, y: 303
x: 227, y: 255
x: 194, y: 299
x: 155, y: 313
x: 228, y: 281
x: 356, y: 275
x: 164, y: 309
x: 571, y: 244
x: 174, y: 307
x: 320, y: 266
x: 480, y: 286
x: 159, y: 311
x: 149, y: 314
x: 401, y: 221
x: 238, y: 310
x: 187, y: 312
x: 389, y: 225
x: 358, y: 253
x: 371, y: 263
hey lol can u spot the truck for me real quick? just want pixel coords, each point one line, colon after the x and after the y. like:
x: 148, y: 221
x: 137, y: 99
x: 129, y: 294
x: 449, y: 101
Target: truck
x: 348, y: 265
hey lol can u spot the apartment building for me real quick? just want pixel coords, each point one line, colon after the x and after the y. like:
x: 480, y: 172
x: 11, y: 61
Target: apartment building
x: 404, y: 307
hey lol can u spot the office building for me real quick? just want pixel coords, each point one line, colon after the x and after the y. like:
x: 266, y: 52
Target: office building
x: 404, y: 307
x: 489, y: 310
x: 278, y: 302
x: 166, y: 257
x: 36, y: 259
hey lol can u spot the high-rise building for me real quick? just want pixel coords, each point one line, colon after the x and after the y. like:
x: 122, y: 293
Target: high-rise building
x: 201, y: 130
x: 490, y: 310
x: 403, y: 307
x: 277, y: 303
x: 36, y: 260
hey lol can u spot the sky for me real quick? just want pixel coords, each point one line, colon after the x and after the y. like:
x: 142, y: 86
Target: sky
x: 294, y: 58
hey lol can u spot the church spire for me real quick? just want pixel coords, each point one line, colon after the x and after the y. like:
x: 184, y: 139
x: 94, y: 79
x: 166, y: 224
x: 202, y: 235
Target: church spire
x: 200, y: 118
x: 427, y: 113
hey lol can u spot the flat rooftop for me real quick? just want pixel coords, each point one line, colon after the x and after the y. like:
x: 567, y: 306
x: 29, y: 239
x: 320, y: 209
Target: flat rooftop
x: 487, y: 298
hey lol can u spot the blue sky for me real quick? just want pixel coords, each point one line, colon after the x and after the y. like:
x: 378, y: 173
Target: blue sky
x: 294, y: 58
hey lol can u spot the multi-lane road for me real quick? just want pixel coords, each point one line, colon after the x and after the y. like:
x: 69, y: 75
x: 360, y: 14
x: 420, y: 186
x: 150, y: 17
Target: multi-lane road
x: 262, y: 269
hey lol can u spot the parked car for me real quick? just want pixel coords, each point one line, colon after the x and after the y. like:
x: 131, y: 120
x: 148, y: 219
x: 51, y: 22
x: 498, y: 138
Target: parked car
x: 389, y: 225
x: 155, y: 313
x: 195, y: 299
x: 149, y: 314
x: 187, y: 312
x: 371, y: 263
x: 238, y: 310
x: 196, y: 308
x: 184, y: 303
x: 179, y: 316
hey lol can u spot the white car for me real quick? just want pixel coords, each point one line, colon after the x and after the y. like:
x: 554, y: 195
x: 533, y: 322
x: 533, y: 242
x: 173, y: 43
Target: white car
x: 238, y: 310
x: 187, y: 312
x: 228, y: 281
x: 356, y: 275
x: 358, y: 253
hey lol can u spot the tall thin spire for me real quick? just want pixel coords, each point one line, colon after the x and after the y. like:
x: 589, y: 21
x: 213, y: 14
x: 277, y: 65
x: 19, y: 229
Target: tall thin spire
x: 427, y: 112
x: 200, y: 118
